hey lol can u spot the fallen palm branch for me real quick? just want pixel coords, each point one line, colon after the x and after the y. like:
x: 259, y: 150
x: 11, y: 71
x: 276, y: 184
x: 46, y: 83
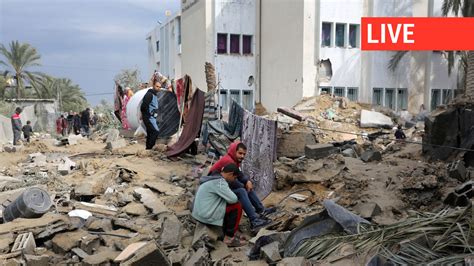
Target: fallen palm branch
x: 439, y: 238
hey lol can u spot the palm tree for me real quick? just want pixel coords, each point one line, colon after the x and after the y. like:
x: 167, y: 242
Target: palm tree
x: 20, y: 57
x: 465, y: 8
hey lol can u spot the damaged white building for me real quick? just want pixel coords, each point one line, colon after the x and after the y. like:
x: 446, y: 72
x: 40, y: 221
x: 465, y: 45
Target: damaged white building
x: 278, y: 51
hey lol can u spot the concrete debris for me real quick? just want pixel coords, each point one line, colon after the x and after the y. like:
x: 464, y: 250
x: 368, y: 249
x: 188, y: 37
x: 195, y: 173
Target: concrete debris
x: 294, y: 261
x: 117, y: 144
x: 370, y: 156
x: 205, y: 235
x: 150, y: 200
x: 172, y: 232
x: 319, y: 151
x: 178, y: 257
x: 135, y: 209
x: 66, y: 166
x: 33, y: 260
x: 457, y: 170
x: 64, y: 242
x: 368, y: 210
x: 24, y: 243
x: 220, y: 252
x: 165, y: 188
x: 375, y: 119
x: 271, y: 252
x: 100, y: 258
x: 461, y: 196
x: 148, y: 253
x: 97, y: 208
x: 299, y: 197
x: 292, y: 144
x: 292, y: 113
x: 12, y: 148
x: 200, y: 257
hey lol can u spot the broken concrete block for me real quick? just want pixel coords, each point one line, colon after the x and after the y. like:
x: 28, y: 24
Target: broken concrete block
x: 33, y: 260
x: 271, y: 252
x: 150, y: 200
x: 64, y: 242
x: 25, y: 243
x: 112, y: 135
x: 90, y: 243
x: 95, y: 224
x: 66, y: 166
x: 101, y: 258
x: 461, y: 196
x: 80, y: 253
x: 368, y: 210
x: 205, y: 235
x: 178, y: 257
x: 143, y: 253
x: 318, y: 151
x: 374, y: 119
x: 38, y: 158
x: 96, y: 208
x: 165, y: 188
x: 172, y: 231
x: 200, y: 257
x: 292, y: 144
x: 348, y: 153
x: 294, y: 261
x: 457, y: 170
x: 114, y: 145
x: 371, y: 155
x: 34, y: 202
x: 135, y: 209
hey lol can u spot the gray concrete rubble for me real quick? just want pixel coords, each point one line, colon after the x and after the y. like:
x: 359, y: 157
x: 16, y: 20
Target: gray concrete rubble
x: 374, y: 119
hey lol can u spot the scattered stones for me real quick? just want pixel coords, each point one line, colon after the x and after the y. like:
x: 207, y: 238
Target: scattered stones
x: 368, y: 210
x: 271, y: 252
x: 66, y: 166
x: 64, y: 242
x: 200, y: 257
x: 117, y: 144
x: 294, y: 261
x: 292, y: 144
x: 144, y: 253
x: 371, y: 155
x: 220, y: 252
x: 33, y: 260
x: 178, y: 257
x: 374, y: 119
x: 457, y: 170
x: 135, y: 209
x: 150, y: 200
x: 172, y: 231
x: 318, y: 151
x: 165, y: 188
x: 205, y: 235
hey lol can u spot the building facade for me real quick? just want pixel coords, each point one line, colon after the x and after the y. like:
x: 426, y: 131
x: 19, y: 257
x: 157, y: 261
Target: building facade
x: 278, y: 51
x: 164, y: 48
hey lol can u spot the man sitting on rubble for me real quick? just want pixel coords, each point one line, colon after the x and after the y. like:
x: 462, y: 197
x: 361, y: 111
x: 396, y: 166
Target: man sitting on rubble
x: 243, y: 187
x: 216, y: 205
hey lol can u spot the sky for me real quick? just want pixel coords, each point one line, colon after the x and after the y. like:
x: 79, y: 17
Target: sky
x: 88, y: 41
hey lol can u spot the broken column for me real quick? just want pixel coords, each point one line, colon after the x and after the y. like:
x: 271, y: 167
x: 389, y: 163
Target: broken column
x: 32, y: 203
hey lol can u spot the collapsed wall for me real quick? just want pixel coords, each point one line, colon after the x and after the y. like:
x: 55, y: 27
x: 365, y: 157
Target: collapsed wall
x: 453, y: 127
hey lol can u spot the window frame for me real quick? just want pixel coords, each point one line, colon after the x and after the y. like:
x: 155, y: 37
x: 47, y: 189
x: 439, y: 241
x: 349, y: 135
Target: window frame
x: 226, y: 43
x: 250, y: 44
x: 330, y: 34
x: 356, y: 93
x: 357, y: 36
x: 238, y: 44
x: 321, y: 88
x: 339, y: 88
x: 344, y: 33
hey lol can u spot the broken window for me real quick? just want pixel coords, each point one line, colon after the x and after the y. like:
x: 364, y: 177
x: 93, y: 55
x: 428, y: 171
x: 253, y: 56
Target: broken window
x: 390, y: 98
x: 324, y: 90
x: 353, y: 94
x: 353, y: 35
x: 402, y: 99
x: 234, y: 44
x: 339, y: 91
x: 235, y: 96
x: 377, y: 96
x: 435, y: 98
x: 247, y: 99
x: 221, y: 43
x: 325, y: 70
x: 340, y: 35
x: 326, y: 34
x: 223, y: 99
x: 447, y: 96
x: 247, y: 44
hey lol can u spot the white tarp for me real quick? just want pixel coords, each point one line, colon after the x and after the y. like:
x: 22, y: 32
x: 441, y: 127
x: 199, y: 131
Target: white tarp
x: 6, y: 133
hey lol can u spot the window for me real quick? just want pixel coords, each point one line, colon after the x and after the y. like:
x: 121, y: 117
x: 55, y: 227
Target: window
x: 340, y: 35
x: 339, y: 91
x: 247, y: 99
x: 447, y: 95
x: 326, y: 34
x: 234, y: 44
x: 224, y: 101
x: 402, y: 99
x: 178, y: 21
x: 157, y: 46
x: 325, y: 90
x: 246, y: 44
x: 235, y: 96
x: 435, y: 98
x: 354, y: 35
x: 353, y: 94
x: 222, y: 43
x: 377, y: 96
x: 390, y: 98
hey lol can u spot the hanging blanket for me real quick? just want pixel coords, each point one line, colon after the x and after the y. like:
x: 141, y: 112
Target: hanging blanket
x: 259, y: 135
x: 168, y: 114
x: 192, y: 126
x: 210, y: 114
x: 232, y: 129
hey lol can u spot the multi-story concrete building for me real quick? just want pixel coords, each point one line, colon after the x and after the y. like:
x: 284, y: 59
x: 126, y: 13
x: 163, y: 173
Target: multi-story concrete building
x: 164, y: 48
x: 278, y: 51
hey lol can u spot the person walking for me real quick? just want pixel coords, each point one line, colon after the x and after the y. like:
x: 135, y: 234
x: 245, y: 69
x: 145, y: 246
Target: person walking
x: 149, y: 109
x: 16, y: 125
x: 27, y: 130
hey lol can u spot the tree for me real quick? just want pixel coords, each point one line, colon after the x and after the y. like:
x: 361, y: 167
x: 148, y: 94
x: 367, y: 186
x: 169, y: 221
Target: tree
x: 465, y: 8
x: 128, y: 78
x: 20, y: 57
x: 69, y: 95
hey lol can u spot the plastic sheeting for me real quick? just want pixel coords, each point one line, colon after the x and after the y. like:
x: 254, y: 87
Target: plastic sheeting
x: 6, y: 133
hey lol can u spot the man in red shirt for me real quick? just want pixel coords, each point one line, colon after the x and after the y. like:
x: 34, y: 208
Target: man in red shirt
x: 243, y: 187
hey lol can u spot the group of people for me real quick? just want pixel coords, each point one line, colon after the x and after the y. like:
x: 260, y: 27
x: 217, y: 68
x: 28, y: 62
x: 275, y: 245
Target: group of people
x: 18, y: 128
x: 223, y: 195
x: 75, y: 122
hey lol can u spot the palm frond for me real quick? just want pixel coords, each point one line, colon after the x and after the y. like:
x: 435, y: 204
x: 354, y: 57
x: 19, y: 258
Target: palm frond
x: 395, y: 60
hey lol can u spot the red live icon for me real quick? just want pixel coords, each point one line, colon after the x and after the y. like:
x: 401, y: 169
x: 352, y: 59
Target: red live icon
x: 417, y: 33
